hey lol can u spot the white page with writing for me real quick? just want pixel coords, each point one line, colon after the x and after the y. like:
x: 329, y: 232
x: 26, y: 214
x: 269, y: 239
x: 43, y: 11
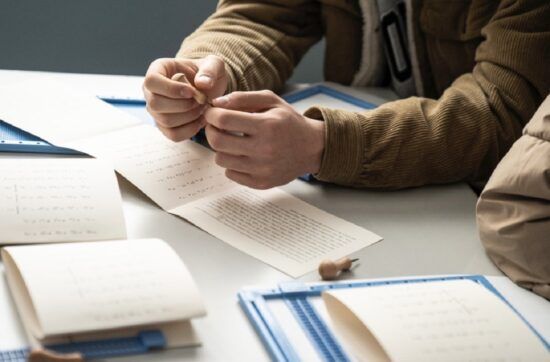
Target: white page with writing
x: 170, y: 173
x: 277, y: 228
x: 47, y: 200
x: 177, y: 174
x: 91, y: 286
x: 457, y: 320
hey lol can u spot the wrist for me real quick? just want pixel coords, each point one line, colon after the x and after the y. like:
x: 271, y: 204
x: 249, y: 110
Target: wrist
x: 315, y: 146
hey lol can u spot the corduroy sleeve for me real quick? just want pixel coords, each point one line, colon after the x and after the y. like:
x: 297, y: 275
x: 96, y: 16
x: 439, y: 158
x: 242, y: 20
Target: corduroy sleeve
x: 463, y: 134
x: 260, y: 41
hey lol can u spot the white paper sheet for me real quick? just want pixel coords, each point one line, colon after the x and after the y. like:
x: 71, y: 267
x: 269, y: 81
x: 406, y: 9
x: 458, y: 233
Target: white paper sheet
x: 47, y: 200
x: 277, y: 228
x: 171, y: 174
x: 453, y: 321
x: 12, y: 334
x: 103, y: 285
x: 59, y: 114
x: 101, y: 85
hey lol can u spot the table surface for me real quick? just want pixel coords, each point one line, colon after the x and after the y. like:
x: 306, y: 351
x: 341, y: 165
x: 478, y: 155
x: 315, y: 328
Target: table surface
x: 427, y: 230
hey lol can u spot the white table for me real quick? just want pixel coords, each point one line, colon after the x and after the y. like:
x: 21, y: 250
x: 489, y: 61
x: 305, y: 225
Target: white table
x: 428, y: 230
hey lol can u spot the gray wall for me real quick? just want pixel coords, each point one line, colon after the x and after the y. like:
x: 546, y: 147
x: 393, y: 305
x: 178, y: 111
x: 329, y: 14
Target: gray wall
x: 106, y: 36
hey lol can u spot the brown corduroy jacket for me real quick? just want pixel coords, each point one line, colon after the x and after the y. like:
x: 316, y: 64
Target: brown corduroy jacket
x: 481, y: 69
x: 513, y: 211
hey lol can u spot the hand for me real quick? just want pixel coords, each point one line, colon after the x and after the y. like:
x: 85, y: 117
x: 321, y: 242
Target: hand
x: 261, y: 140
x: 171, y: 103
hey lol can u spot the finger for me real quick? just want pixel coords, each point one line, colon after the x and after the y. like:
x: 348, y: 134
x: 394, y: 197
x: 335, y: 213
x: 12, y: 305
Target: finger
x: 224, y: 142
x: 246, y: 179
x: 248, y: 101
x: 160, y: 104
x: 233, y: 121
x: 240, y: 177
x: 169, y: 66
x: 211, y: 69
x: 173, y: 120
x: 159, y: 84
x: 183, y: 132
x: 232, y: 162
x: 198, y: 96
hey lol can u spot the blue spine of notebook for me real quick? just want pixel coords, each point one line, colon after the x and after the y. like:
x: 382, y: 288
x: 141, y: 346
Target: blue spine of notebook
x: 144, y: 342
x: 297, y: 294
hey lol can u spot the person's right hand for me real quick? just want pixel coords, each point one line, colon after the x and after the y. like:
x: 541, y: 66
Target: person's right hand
x: 171, y: 103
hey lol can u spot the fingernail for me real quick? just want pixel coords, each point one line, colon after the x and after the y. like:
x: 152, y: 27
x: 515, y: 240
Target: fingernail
x: 220, y: 101
x: 205, y: 79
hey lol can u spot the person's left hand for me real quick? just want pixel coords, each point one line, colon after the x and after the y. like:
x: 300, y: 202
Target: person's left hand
x: 261, y: 141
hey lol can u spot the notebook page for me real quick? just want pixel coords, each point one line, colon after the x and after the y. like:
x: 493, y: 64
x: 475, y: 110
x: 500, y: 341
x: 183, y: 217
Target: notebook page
x: 534, y: 308
x: 70, y: 199
x: 277, y: 228
x: 105, y: 285
x: 456, y: 320
x: 12, y: 335
x: 170, y: 173
x: 58, y: 113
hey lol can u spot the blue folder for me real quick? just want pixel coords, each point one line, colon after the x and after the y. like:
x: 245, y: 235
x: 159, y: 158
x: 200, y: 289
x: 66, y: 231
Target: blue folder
x: 299, y: 298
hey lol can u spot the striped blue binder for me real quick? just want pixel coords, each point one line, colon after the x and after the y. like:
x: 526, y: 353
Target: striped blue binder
x: 301, y: 298
x: 144, y: 342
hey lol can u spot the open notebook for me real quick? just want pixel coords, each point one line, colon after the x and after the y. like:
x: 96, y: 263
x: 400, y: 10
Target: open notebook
x: 457, y: 320
x: 416, y: 318
x: 76, y: 292
x: 59, y: 200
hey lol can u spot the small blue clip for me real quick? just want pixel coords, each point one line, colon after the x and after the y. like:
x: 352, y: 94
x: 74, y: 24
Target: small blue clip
x: 152, y: 339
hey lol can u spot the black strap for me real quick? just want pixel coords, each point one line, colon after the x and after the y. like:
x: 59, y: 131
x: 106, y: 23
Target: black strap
x: 396, y: 46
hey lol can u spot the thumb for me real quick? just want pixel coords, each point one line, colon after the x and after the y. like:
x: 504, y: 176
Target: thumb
x: 254, y: 101
x: 211, y: 69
